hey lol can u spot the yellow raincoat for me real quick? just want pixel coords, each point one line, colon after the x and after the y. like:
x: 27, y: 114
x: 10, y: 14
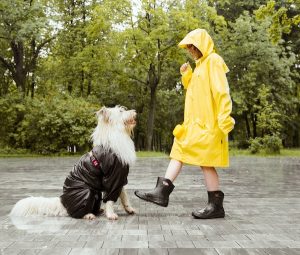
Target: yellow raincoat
x: 202, y: 139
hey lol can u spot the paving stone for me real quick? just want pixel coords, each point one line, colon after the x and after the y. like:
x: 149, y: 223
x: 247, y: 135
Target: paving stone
x: 188, y: 251
x: 91, y: 251
x: 29, y: 251
x: 261, y: 244
x: 5, y: 244
x: 28, y: 245
x: 71, y: 244
x: 153, y: 251
x: 152, y: 237
x: 162, y: 244
x: 125, y: 244
x: 255, y: 193
x: 282, y: 251
x: 215, y: 244
x: 291, y: 244
x: 240, y: 251
x: 56, y: 251
x: 95, y: 244
x: 185, y: 244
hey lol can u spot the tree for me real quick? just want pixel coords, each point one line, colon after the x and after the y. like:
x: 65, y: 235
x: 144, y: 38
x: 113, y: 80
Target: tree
x: 24, y: 32
x: 260, y: 77
x: 151, y: 54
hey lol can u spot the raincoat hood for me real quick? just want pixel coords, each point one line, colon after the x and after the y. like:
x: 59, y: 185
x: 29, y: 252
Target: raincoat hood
x: 200, y: 39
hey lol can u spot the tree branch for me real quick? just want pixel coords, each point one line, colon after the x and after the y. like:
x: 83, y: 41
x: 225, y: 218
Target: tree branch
x: 130, y: 76
x: 36, y: 53
x: 168, y: 47
x: 6, y: 38
x: 7, y: 64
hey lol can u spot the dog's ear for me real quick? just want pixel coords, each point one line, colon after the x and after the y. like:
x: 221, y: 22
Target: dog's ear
x: 104, y: 113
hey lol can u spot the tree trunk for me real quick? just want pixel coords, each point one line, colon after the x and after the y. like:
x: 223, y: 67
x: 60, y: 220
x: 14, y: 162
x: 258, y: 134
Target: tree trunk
x: 82, y: 83
x: 89, y: 88
x: 70, y: 88
x: 248, y: 131
x: 19, y: 74
x: 32, y: 85
x: 150, y: 123
x: 254, y: 125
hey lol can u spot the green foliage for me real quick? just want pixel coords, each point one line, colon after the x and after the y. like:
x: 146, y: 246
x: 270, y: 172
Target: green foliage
x: 268, y: 115
x: 12, y: 111
x: 255, y: 145
x: 48, y: 125
x: 270, y: 144
x: 281, y: 23
x: 261, y: 83
x: 111, y: 53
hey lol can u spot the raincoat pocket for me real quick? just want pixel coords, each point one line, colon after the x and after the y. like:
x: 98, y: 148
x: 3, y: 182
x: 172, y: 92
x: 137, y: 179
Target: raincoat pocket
x: 178, y: 131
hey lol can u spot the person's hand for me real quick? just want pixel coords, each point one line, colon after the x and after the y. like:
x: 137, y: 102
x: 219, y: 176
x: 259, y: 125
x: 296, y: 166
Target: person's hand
x: 184, y: 67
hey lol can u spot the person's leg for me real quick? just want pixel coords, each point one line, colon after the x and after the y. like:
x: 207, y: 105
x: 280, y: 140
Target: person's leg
x: 173, y: 170
x: 211, y: 178
x: 164, y: 186
x: 214, y: 207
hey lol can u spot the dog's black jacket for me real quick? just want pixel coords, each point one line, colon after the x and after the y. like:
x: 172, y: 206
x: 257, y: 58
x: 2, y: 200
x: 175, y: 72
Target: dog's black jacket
x: 83, y: 187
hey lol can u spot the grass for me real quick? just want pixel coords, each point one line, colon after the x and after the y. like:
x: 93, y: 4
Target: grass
x: 148, y: 154
x: 295, y: 152
x: 140, y: 154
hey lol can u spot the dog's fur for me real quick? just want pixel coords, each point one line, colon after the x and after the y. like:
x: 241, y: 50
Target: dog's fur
x: 114, y: 130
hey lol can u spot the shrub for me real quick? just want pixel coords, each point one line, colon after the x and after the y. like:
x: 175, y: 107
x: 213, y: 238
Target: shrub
x: 12, y: 111
x: 255, y: 145
x: 46, y: 125
x: 53, y: 124
x: 271, y: 144
x: 243, y: 144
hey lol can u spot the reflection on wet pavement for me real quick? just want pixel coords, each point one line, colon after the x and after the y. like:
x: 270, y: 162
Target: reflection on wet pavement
x: 262, y: 204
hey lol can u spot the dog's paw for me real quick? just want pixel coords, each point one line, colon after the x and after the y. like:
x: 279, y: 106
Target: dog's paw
x: 112, y: 216
x: 89, y: 216
x: 129, y: 210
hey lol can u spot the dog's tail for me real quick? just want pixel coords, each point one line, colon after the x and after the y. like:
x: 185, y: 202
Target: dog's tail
x: 40, y: 206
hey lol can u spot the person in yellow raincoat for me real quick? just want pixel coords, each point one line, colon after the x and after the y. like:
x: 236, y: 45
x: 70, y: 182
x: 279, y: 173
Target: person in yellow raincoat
x: 202, y: 139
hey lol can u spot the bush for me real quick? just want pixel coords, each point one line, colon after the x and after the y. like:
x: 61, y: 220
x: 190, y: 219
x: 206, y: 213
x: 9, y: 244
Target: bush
x: 271, y: 144
x: 12, y: 111
x: 47, y: 125
x: 243, y: 144
x: 255, y: 145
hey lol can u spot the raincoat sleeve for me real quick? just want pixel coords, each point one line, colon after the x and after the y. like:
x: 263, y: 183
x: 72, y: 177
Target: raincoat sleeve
x: 186, y: 76
x: 220, y: 91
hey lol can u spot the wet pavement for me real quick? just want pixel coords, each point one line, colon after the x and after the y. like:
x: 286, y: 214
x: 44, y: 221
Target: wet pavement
x: 262, y: 204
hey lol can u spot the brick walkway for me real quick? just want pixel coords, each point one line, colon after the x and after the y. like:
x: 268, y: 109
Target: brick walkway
x: 262, y: 203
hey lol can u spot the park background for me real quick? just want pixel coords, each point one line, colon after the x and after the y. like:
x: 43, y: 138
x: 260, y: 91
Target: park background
x: 60, y: 61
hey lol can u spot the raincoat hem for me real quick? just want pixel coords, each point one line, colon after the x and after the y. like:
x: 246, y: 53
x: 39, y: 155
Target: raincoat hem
x: 190, y: 162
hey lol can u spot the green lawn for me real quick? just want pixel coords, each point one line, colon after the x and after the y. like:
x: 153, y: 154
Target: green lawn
x: 140, y: 154
x: 147, y: 154
x: 284, y: 152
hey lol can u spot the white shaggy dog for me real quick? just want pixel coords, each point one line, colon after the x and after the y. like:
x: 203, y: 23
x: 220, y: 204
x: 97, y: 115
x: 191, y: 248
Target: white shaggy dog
x: 107, y: 165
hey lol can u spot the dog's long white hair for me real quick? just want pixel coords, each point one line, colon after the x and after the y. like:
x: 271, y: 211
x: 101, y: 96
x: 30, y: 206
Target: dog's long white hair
x: 114, y: 130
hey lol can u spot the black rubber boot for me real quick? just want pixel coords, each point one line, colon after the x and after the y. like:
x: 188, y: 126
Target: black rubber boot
x: 214, y: 207
x: 160, y: 195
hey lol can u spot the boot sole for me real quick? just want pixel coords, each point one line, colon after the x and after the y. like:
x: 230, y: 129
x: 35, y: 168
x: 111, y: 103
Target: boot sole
x: 147, y: 200
x: 211, y: 217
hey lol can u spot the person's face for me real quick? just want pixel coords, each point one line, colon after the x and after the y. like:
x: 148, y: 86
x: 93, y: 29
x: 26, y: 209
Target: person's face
x: 196, y: 54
